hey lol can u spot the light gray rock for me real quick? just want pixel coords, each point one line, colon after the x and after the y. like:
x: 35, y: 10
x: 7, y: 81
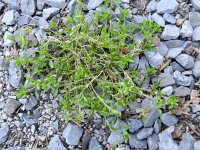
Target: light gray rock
x: 176, y: 67
x: 23, y: 20
x: 135, y: 143
x: 56, y: 144
x: 144, y: 133
x: 3, y: 64
x: 115, y: 137
x: 158, y: 19
x: 40, y: 4
x: 32, y: 102
x: 170, y: 32
x: 138, y: 18
x: 186, y: 61
x: 143, y: 64
x: 162, y: 49
x: 182, y: 91
x: 152, y: 142
x: 169, y: 18
x: 125, y: 1
x: 94, y: 144
x: 157, y: 126
x: 15, y: 74
x: 195, y: 108
x: 167, y: 6
x: 40, y: 21
x: 72, y: 134
x: 196, y: 35
x: 6, y: 39
x: 174, y: 52
x: 148, y: 103
x: 166, y: 80
x: 118, y: 125
x: 168, y: 90
x: 186, y: 30
x: 11, y: 106
x: 10, y: 17
x: 138, y: 38
x: 71, y: 7
x: 30, y: 119
x: 168, y: 119
x: 123, y: 147
x: 197, y: 145
x: 194, y: 18
x: 133, y: 106
x: 196, y: 4
x: 50, y: 12
x: 174, y: 43
x: 166, y: 140
x: 152, y: 6
x: 135, y: 124
x: 13, y: 4
x: 169, y: 70
x: 92, y: 4
x: 56, y: 3
x: 151, y: 117
x: 4, y: 131
x: 18, y: 148
x: 154, y: 58
x: 28, y: 7
x: 196, y: 69
x: 134, y: 63
x: 187, y: 142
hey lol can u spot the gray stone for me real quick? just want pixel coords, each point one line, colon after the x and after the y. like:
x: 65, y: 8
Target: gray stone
x: 170, y: 32
x: 166, y: 80
x: 71, y: 7
x: 40, y: 4
x: 196, y: 4
x: 11, y: 106
x: 13, y: 4
x: 32, y: 102
x: 158, y: 19
x: 154, y: 58
x: 151, y: 117
x: 3, y: 64
x: 182, y: 91
x: 196, y: 69
x: 157, y: 126
x: 195, y: 108
x: 125, y: 1
x: 168, y: 90
x: 6, y: 39
x: 94, y: 144
x: 40, y: 21
x: 152, y: 6
x: 134, y: 63
x: 196, y: 35
x: 153, y: 141
x: 138, y: 18
x: 174, y: 52
x: 56, y: 3
x: 186, y: 30
x: 187, y: 142
x: 174, y: 43
x: 28, y: 52
x: 148, y: 103
x: 4, y: 131
x: 144, y: 133
x: 123, y: 147
x: 168, y: 119
x: 56, y: 144
x: 50, y: 12
x: 186, y: 61
x: 135, y: 124
x: 176, y: 67
x: 197, y: 145
x: 167, y: 6
x: 194, y: 18
x: 133, y: 106
x: 18, y: 148
x: 28, y: 7
x: 138, y: 38
x: 166, y: 140
x: 92, y: 4
x: 15, y: 74
x: 118, y: 125
x: 162, y: 49
x: 72, y: 134
x: 143, y: 64
x: 9, y: 17
x: 169, y: 70
x: 23, y: 20
x: 30, y: 120
x: 169, y: 18
x: 115, y: 137
x: 135, y: 143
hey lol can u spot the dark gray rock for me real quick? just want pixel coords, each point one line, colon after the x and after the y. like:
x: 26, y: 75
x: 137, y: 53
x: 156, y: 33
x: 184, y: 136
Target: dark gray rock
x: 133, y: 106
x: 152, y: 6
x: 72, y: 134
x: 94, y: 144
x: 11, y: 106
x: 174, y: 43
x: 182, y: 79
x: 168, y: 90
x: 3, y: 64
x: 134, y: 63
x: 197, y: 145
x: 148, y: 103
x: 115, y: 137
x: 166, y: 80
x: 162, y: 49
x: 119, y: 124
x: 182, y: 91
x: 92, y: 4
x: 143, y: 64
x: 167, y: 6
x: 186, y: 30
x: 28, y: 7
x: 144, y: 133
x: 194, y: 18
x: 170, y: 32
x: 10, y: 17
x: 169, y: 18
x: 166, y: 140
x: 23, y: 20
x: 56, y: 144
x: 153, y: 141
x: 157, y: 126
x: 154, y: 58
x: 138, y: 18
x: 56, y: 3
x: 185, y: 61
x: 168, y: 119
x: 196, y: 4
x: 151, y: 117
x: 4, y: 131
x: 30, y: 120
x: 195, y: 108
x: 196, y: 36
x: 32, y: 102
x: 138, y: 38
x: 176, y: 67
x: 135, y: 143
x: 50, y: 12
x: 39, y: 21
x: 135, y: 124
x: 187, y: 142
x: 174, y: 52
x: 196, y: 69
x: 158, y: 19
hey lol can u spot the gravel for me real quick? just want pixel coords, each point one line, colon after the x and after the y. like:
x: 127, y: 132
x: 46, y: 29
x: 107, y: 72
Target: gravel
x: 166, y: 80
x: 168, y: 119
x: 144, y: 133
x: 194, y: 18
x: 11, y: 106
x: 186, y: 30
x: 170, y: 32
x: 9, y: 17
x: 4, y: 131
x: 169, y: 18
x: 196, y: 70
x: 135, y: 125
x: 187, y: 142
x: 174, y: 52
x: 158, y: 19
x: 182, y: 91
x: 94, y: 144
x: 167, y: 6
x: 182, y: 79
x: 197, y: 145
x: 32, y: 102
x: 195, y: 108
x: 157, y: 126
x: 196, y: 4
x: 168, y: 90
x: 152, y: 6
x: 56, y: 144
x: 92, y: 4
x: 28, y: 7
x: 56, y: 3
x: 135, y: 143
x: 154, y: 58
x: 153, y: 141
x: 196, y: 36
x: 115, y: 137
x: 151, y: 117
x: 50, y: 12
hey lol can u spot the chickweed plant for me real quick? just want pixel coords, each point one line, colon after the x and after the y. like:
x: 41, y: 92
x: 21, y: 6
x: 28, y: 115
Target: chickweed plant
x: 85, y: 64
